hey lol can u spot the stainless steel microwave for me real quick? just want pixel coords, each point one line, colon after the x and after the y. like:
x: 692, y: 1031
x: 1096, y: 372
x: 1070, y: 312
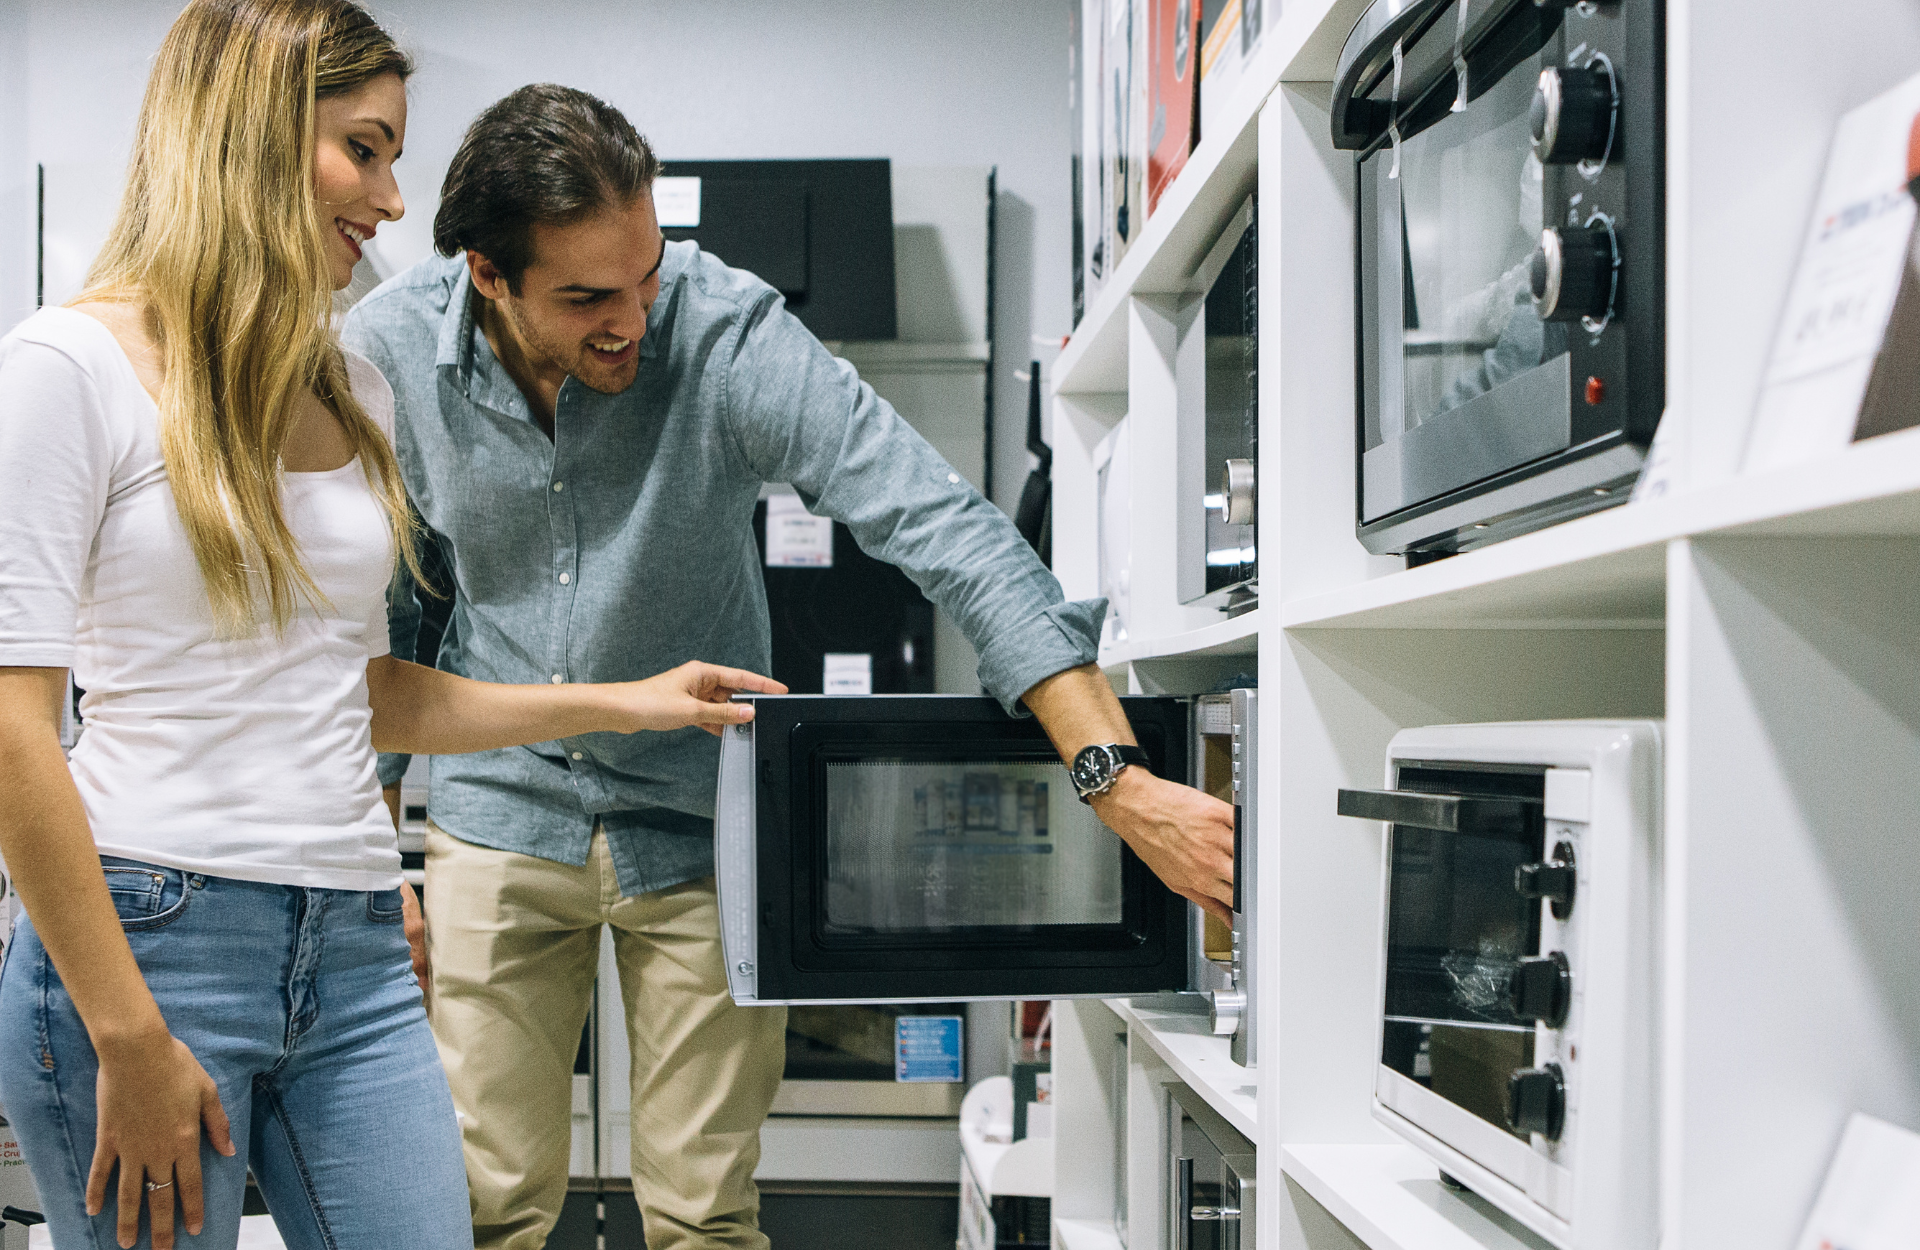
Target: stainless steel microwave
x: 931, y: 848
x: 1218, y: 426
x: 1519, y: 976
x: 1510, y: 262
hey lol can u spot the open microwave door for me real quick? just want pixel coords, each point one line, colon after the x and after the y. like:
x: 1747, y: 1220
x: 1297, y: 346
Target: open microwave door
x: 902, y: 848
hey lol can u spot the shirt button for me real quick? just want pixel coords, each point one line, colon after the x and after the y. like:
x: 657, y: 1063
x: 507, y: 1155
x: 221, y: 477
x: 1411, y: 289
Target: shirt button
x: 953, y: 478
x: 565, y: 578
x: 557, y: 679
x: 577, y: 755
x: 558, y: 487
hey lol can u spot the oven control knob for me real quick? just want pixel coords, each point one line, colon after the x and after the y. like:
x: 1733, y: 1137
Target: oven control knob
x: 1542, y: 989
x: 1537, y: 1101
x: 1224, y: 1009
x: 1572, y: 116
x: 1572, y: 274
x: 1236, y: 493
x: 1554, y: 880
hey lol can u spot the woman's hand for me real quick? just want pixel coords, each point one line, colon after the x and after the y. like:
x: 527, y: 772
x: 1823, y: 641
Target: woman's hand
x: 152, y: 1099
x: 693, y: 694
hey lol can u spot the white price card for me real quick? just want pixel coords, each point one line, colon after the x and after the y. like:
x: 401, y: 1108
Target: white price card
x: 1871, y: 1199
x: 1849, y: 273
x: 846, y: 673
x: 676, y: 201
x: 797, y: 539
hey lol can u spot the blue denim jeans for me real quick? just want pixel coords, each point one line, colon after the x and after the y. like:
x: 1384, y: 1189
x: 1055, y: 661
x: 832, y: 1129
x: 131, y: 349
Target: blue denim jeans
x: 302, y: 1006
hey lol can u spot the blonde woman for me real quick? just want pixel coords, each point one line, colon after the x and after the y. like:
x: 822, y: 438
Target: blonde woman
x: 199, y: 516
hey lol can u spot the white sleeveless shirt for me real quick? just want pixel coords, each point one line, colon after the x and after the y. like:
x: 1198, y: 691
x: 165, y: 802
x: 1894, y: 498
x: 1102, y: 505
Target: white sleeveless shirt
x: 250, y: 759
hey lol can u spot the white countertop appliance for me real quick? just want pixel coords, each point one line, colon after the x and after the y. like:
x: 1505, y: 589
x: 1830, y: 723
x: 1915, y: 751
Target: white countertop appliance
x: 1519, y: 976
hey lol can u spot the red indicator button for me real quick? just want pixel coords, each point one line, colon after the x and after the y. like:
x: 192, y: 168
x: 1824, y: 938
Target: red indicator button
x: 1596, y: 392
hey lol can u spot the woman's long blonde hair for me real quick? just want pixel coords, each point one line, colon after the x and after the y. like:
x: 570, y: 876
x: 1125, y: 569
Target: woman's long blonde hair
x: 219, y: 238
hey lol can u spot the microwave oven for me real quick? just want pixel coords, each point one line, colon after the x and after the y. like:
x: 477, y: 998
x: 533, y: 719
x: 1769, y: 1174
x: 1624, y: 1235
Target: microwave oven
x: 910, y: 848
x: 1518, y: 973
x: 1509, y: 262
x: 1219, y: 426
x: 1211, y: 1189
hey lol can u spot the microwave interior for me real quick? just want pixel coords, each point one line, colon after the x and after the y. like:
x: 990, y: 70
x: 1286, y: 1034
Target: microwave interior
x: 933, y: 848
x: 1456, y: 927
x: 1475, y: 408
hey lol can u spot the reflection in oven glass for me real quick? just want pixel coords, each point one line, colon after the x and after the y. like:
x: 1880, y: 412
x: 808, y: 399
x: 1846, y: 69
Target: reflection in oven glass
x: 1471, y: 217
x: 1456, y: 928
x: 943, y: 845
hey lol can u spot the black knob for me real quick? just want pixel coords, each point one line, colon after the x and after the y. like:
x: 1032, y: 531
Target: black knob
x: 1542, y: 989
x: 1572, y: 116
x: 1537, y: 1101
x: 1554, y: 880
x: 1573, y: 274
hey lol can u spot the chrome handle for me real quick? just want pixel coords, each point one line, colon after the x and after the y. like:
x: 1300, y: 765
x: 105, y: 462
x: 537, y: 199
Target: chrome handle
x: 1448, y: 813
x: 1183, y: 1201
x: 1237, y: 493
x: 1224, y: 1215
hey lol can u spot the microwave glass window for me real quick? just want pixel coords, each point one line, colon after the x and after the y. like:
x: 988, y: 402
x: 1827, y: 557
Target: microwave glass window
x: 1232, y: 407
x: 1456, y: 928
x: 935, y: 846
x: 1457, y: 236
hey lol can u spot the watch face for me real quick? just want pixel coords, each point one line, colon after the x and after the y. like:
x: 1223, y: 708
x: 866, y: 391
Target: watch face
x: 1092, y: 769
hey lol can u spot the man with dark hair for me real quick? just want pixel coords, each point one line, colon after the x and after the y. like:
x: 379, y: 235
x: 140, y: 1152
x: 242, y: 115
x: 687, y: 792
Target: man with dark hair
x: 586, y: 414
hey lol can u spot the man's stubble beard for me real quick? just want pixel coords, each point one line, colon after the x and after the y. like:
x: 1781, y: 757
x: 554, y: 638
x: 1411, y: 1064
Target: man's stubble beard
x: 574, y: 358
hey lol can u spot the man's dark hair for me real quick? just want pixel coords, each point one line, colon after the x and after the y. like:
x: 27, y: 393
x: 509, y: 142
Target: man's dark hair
x: 545, y: 154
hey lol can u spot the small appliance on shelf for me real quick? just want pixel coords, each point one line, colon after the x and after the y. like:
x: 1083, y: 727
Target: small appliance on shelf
x: 934, y: 849
x: 1519, y: 976
x: 1219, y: 427
x: 1212, y: 1186
x: 1511, y: 284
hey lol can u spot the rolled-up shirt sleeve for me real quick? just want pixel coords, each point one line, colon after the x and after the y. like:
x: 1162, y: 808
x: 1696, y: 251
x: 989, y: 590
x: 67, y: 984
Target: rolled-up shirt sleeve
x: 801, y: 416
x: 56, y: 463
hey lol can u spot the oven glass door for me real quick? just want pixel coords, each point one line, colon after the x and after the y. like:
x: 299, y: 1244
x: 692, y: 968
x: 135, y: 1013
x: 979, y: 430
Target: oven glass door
x: 933, y: 849
x: 1463, y: 380
x: 1456, y: 926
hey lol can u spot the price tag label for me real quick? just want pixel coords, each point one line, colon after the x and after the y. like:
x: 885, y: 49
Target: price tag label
x: 797, y: 539
x: 927, y: 1048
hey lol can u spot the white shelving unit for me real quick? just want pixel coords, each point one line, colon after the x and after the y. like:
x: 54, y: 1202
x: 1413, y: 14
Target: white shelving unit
x: 1772, y: 620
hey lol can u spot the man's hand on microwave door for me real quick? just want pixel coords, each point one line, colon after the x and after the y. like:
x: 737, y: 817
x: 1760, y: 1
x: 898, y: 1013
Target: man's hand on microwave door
x: 1182, y: 834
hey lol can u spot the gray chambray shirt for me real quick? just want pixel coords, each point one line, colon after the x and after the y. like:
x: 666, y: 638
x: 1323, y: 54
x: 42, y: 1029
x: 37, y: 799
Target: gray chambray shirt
x: 625, y: 545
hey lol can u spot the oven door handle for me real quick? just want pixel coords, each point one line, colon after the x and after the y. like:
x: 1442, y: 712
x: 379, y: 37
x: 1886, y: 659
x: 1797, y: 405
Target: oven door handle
x: 1358, y: 121
x: 1448, y: 813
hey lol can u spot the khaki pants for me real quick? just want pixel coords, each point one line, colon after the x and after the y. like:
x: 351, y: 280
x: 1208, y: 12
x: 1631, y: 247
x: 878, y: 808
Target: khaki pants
x: 515, y: 943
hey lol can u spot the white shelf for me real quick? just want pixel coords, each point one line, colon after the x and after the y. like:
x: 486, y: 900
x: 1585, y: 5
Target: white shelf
x: 1609, y: 570
x: 1392, y: 1198
x: 1200, y: 1059
x: 1218, y: 176
x: 1238, y: 636
x: 1086, y: 1235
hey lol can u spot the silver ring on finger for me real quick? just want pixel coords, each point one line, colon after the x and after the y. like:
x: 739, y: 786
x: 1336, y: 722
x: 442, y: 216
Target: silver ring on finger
x: 153, y: 1185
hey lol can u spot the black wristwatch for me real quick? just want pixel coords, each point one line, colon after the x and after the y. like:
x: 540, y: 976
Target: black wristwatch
x: 1096, y: 768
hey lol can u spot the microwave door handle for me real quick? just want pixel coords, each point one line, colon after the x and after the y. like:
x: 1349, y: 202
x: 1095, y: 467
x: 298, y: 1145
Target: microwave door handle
x: 1448, y: 813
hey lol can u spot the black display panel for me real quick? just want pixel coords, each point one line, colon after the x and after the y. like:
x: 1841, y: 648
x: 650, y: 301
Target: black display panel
x: 819, y: 232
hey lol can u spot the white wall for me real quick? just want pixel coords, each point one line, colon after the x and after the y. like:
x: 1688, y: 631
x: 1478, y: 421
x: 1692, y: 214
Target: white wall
x: 933, y: 82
